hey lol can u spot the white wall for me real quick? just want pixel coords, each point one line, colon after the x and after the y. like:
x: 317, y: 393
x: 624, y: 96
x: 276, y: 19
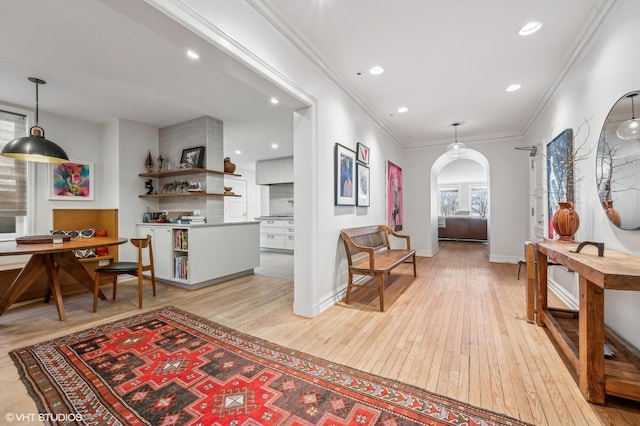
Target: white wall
x: 134, y: 140
x: 118, y: 150
x: 320, y: 268
x: 508, y: 197
x: 600, y: 76
x: 82, y: 141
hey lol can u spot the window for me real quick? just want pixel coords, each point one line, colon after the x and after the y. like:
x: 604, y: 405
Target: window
x: 479, y: 201
x: 13, y: 178
x: 449, y: 201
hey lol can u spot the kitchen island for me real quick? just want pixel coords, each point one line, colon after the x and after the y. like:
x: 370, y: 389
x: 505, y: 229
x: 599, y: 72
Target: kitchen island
x: 193, y: 256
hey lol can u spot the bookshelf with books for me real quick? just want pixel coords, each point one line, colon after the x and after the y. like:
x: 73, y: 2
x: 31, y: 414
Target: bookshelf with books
x: 181, y: 254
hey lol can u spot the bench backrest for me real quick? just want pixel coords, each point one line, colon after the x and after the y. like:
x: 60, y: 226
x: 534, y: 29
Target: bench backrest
x: 375, y: 236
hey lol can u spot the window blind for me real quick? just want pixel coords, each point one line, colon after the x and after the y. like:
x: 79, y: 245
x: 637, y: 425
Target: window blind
x: 13, y: 174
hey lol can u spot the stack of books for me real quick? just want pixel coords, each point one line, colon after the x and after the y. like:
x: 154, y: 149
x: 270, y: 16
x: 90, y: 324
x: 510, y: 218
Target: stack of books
x: 192, y: 219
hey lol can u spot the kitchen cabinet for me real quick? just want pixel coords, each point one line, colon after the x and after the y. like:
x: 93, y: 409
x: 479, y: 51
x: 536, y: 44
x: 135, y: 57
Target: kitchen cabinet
x: 278, y: 170
x: 184, y: 172
x: 160, y: 238
x: 277, y: 233
x: 194, y: 256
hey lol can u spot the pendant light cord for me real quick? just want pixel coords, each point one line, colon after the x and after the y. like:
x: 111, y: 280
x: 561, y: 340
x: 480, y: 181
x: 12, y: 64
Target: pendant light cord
x: 37, y: 84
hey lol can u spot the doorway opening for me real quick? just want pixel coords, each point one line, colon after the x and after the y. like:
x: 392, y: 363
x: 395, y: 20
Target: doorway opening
x: 460, y: 194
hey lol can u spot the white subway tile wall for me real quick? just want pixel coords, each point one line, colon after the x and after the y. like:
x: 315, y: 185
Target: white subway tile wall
x: 202, y: 131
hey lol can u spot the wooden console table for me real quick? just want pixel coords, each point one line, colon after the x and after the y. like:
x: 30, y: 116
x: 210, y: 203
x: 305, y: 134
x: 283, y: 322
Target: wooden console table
x: 581, y: 335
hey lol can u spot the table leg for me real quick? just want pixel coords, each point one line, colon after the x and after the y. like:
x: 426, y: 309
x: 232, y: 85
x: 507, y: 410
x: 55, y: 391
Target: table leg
x: 591, y: 343
x: 530, y: 257
x: 54, y: 284
x: 32, y: 270
x: 69, y: 262
x: 542, y: 287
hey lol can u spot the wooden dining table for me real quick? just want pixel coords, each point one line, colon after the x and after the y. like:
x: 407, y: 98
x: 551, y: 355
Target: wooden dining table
x: 46, y: 258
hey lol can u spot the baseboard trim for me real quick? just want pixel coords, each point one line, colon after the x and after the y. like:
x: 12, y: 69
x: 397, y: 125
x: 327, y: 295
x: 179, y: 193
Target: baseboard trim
x: 565, y: 297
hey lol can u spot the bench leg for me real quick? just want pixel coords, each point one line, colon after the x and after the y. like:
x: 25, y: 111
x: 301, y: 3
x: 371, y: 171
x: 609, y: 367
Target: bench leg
x: 381, y: 291
x: 414, y: 266
x: 349, y: 286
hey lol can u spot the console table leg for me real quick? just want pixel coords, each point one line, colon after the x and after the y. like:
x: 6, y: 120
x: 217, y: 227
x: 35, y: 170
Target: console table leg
x: 591, y: 347
x: 530, y: 257
x: 542, y: 287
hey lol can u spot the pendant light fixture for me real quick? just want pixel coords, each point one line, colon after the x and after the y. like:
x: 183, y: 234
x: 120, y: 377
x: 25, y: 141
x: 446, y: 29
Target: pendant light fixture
x: 456, y: 149
x: 35, y: 147
x: 630, y: 129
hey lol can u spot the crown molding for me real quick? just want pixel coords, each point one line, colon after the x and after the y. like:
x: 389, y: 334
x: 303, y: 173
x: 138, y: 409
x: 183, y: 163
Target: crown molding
x: 581, y: 46
x: 310, y: 53
x: 189, y: 18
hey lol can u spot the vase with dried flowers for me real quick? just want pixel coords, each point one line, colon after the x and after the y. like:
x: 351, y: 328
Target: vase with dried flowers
x: 562, y: 157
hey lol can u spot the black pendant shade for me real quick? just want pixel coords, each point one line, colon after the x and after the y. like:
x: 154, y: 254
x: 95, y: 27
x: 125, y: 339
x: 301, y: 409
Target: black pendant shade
x: 35, y: 147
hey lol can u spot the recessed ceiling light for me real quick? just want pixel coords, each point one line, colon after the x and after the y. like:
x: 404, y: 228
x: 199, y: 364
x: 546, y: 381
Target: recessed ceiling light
x: 530, y: 28
x: 513, y: 88
x: 377, y: 70
x: 275, y: 101
x: 238, y: 152
x: 193, y: 54
x: 403, y: 109
x: 274, y: 145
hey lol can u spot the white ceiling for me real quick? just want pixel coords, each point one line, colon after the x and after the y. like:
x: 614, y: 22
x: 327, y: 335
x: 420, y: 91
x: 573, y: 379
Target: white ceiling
x: 446, y: 61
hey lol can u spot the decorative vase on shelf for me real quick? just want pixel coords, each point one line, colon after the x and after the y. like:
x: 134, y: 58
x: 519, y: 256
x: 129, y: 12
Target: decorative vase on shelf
x: 149, y: 162
x: 612, y: 214
x: 229, y: 167
x: 565, y: 221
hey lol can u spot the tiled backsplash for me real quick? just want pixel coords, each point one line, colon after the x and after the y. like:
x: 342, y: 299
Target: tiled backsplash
x: 281, y: 199
x: 202, y: 131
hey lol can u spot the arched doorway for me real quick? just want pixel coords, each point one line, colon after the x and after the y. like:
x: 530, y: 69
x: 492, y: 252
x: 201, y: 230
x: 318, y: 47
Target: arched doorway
x: 460, y: 189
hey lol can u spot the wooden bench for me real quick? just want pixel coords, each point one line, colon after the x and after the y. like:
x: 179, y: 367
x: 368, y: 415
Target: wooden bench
x: 369, y: 253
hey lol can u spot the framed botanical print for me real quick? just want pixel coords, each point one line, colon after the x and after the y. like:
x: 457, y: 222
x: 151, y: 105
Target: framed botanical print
x: 394, y: 196
x: 362, y: 186
x: 344, y: 175
x: 362, y: 153
x: 72, y: 181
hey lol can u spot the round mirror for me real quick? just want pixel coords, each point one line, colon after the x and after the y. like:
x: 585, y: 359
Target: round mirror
x: 618, y: 163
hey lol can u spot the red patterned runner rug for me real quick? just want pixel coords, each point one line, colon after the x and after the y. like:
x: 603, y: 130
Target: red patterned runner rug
x: 169, y: 367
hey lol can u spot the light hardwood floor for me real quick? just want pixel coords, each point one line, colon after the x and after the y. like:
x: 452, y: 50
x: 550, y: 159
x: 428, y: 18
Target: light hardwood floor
x: 459, y: 330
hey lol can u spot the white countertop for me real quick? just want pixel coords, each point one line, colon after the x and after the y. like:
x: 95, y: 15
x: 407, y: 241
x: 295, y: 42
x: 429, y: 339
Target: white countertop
x: 184, y: 225
x: 274, y: 218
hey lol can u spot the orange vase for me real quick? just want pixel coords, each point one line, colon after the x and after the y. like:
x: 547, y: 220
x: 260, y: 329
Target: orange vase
x: 565, y: 221
x: 612, y: 214
x: 229, y: 167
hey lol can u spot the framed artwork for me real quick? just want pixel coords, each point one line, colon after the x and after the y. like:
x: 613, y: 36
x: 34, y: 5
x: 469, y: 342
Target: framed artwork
x: 72, y: 181
x: 362, y: 185
x: 362, y: 153
x: 192, y: 157
x: 344, y: 172
x: 394, y: 196
x: 559, y: 173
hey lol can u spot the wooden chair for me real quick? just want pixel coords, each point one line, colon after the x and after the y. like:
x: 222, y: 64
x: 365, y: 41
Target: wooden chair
x: 132, y: 268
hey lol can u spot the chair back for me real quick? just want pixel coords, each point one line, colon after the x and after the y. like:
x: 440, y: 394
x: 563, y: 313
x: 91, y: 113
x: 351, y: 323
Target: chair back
x: 144, y: 243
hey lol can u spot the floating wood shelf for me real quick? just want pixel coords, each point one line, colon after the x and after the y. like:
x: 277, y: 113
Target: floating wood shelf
x: 187, y: 194
x: 182, y: 172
